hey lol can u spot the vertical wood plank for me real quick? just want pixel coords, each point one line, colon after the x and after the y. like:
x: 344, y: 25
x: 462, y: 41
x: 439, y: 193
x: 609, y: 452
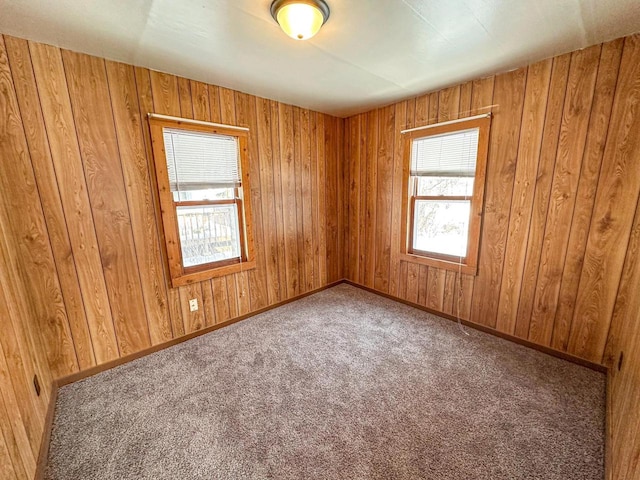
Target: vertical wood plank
x: 466, y: 92
x: 573, y: 131
x: 332, y: 195
x: 39, y: 152
x: 22, y: 469
x: 69, y: 171
x: 413, y: 281
x: 585, y: 197
x: 423, y: 284
x: 279, y: 202
x: 246, y: 115
x: 384, y: 196
x: 422, y: 113
x: 307, y: 199
x: 522, y: 199
x: 6, y: 465
x: 343, y: 196
x: 503, y: 147
x: 24, y: 216
x: 465, y: 295
x: 135, y: 167
x: 214, y: 104
x: 220, y: 295
x: 200, y: 101
x: 371, y: 205
x: 482, y: 95
x: 285, y: 114
x: 353, y: 157
x: 299, y: 207
x: 90, y: 100
x: 448, y: 103
x: 627, y: 303
x: 363, y: 120
x: 396, y: 208
x: 315, y: 219
x: 322, y: 199
x: 232, y: 295
x: 208, y: 304
x: 449, y: 292
x: 23, y: 339
x: 402, y: 284
x: 434, y: 106
x: 435, y: 289
x: 619, y: 182
x: 267, y: 193
x: 25, y: 427
x: 409, y: 272
x: 550, y: 138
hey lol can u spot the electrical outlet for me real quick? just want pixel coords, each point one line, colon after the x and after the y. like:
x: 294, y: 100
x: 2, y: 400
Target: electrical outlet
x: 36, y: 385
x: 193, y: 304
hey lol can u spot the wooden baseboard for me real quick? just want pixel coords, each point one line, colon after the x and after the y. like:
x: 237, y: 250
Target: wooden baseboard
x: 549, y: 351
x: 43, y: 453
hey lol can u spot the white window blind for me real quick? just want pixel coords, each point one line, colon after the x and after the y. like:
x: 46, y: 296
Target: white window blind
x: 447, y: 155
x: 199, y: 161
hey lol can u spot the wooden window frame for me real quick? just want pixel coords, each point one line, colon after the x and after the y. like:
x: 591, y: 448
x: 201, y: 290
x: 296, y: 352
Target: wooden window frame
x: 469, y: 264
x: 179, y: 274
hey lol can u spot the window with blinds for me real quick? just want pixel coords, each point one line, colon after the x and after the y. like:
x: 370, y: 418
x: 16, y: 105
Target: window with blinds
x: 445, y: 155
x: 200, y: 161
x: 205, y: 212
x: 445, y: 188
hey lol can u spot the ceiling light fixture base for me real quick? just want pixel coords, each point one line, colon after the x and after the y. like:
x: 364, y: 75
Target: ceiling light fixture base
x: 300, y: 19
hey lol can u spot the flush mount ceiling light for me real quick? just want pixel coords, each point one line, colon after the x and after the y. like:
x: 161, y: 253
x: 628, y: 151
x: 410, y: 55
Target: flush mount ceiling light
x: 300, y: 19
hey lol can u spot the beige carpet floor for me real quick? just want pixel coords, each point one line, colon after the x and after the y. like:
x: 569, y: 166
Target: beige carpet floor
x: 343, y: 384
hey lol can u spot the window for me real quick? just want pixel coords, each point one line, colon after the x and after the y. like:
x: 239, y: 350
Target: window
x: 444, y: 193
x: 201, y: 170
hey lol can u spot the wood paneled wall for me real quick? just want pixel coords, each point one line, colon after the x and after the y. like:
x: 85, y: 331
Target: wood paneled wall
x: 558, y: 256
x: 22, y: 413
x: 561, y: 193
x: 87, y: 282
x: 83, y: 280
x: 624, y: 381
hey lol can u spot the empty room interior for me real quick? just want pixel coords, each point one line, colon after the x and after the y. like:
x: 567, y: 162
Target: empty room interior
x: 320, y: 239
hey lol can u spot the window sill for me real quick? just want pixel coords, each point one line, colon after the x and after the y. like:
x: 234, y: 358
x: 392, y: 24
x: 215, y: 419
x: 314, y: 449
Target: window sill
x: 439, y: 263
x: 190, y: 278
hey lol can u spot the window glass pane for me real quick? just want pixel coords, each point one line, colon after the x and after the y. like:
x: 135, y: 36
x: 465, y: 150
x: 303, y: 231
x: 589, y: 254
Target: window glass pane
x: 208, y: 233
x: 449, y: 186
x: 441, y: 226
x: 208, y: 194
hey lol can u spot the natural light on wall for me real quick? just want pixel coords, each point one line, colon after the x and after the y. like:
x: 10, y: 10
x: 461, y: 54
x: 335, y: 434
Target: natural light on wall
x: 300, y: 19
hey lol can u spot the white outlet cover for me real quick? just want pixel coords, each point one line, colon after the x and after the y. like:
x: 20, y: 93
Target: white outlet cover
x: 193, y: 304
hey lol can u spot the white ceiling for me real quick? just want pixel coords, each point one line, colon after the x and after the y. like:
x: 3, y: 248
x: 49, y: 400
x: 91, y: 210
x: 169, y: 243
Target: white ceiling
x: 369, y: 53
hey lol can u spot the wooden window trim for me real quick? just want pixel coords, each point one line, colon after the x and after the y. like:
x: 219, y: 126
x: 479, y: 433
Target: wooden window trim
x: 180, y: 275
x: 469, y: 264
